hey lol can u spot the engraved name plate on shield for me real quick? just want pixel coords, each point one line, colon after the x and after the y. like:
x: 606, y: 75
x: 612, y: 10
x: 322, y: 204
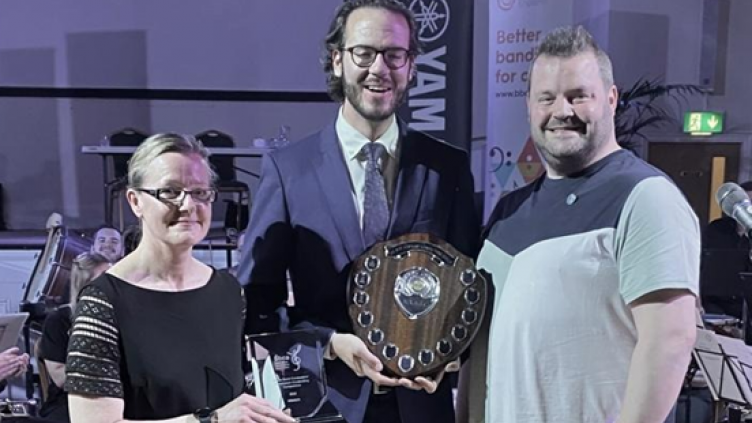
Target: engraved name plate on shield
x: 416, y: 302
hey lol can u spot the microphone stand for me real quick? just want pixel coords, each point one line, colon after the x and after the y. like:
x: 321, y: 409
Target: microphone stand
x: 37, y: 312
x: 29, y: 369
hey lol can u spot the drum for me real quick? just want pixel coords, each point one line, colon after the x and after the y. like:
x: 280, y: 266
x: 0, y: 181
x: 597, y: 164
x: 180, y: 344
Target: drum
x: 51, y: 276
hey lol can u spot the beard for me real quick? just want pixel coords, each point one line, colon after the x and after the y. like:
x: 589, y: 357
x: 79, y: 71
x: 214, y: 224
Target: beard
x: 375, y: 111
x: 109, y: 254
x: 574, y: 152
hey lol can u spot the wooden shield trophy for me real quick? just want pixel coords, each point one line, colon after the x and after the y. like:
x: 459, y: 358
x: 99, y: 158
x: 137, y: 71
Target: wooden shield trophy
x: 416, y: 302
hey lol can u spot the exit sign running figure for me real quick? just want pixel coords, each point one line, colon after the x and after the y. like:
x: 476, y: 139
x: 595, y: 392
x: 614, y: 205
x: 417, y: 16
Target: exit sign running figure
x: 703, y: 123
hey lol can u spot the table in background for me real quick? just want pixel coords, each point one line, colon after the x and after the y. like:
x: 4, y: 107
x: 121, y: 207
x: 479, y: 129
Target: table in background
x: 109, y: 151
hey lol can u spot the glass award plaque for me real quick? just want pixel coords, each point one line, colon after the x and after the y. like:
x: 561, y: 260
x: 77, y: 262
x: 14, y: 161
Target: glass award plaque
x: 288, y: 370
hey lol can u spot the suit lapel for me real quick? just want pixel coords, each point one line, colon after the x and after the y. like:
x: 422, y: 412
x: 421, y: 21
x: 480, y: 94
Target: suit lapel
x: 335, y: 184
x: 411, y: 179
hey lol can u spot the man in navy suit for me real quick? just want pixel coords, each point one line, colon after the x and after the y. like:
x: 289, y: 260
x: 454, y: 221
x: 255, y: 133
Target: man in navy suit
x: 315, y: 211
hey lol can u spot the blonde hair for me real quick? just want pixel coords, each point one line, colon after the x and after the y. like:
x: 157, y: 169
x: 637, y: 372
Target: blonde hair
x: 159, y: 144
x: 82, y: 273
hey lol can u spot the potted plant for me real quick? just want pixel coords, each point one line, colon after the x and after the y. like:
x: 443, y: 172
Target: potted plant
x: 639, y: 109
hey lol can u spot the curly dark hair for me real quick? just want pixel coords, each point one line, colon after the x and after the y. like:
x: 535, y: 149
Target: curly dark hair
x: 335, y: 38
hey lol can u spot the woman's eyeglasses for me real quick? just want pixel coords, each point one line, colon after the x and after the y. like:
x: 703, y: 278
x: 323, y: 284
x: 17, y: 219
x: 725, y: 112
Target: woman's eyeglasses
x: 176, y: 195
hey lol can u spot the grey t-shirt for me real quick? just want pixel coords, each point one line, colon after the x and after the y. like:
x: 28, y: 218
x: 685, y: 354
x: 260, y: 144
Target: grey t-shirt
x: 566, y: 258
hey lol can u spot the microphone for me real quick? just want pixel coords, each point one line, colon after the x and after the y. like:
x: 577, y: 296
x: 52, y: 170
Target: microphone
x: 735, y: 203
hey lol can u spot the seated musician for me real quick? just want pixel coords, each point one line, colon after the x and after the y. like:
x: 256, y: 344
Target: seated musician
x: 108, y: 242
x: 55, y: 334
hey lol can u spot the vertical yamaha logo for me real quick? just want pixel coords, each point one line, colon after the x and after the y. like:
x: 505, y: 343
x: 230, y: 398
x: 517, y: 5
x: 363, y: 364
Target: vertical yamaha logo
x: 505, y: 4
x: 432, y: 17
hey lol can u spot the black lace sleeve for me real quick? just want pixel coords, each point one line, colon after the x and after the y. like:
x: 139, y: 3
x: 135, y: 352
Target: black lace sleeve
x: 93, y: 364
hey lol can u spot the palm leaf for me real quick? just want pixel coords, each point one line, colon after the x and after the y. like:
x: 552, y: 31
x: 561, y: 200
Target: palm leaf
x: 637, y: 108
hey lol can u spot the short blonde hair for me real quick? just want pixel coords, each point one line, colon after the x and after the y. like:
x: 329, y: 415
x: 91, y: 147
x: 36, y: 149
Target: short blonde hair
x: 82, y: 272
x: 159, y: 144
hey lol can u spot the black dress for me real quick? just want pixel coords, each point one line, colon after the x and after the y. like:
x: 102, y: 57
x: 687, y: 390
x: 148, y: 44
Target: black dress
x: 164, y: 353
x: 53, y: 347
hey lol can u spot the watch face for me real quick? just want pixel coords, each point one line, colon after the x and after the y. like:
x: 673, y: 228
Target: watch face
x: 205, y: 415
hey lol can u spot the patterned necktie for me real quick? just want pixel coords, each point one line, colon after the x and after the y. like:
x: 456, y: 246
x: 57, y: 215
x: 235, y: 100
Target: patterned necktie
x: 375, y: 208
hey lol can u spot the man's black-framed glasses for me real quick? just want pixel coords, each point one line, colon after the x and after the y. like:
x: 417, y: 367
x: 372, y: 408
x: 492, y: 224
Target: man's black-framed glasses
x: 364, y: 56
x: 176, y: 195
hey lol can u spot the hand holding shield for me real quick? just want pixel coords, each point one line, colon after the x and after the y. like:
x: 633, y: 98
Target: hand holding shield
x: 416, y: 302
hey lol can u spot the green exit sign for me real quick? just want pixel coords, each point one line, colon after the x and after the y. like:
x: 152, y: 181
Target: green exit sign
x: 703, y: 123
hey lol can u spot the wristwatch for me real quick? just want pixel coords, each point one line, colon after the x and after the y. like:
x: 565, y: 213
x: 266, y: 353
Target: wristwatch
x: 205, y: 415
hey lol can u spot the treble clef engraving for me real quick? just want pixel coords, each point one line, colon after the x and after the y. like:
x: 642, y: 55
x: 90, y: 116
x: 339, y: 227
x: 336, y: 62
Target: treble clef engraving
x: 294, y: 358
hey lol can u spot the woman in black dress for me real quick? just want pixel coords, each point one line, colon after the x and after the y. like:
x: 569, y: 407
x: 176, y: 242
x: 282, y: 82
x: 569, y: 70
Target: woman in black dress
x: 159, y: 335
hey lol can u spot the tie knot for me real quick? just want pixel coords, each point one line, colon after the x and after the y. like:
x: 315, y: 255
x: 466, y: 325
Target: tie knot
x: 374, y: 152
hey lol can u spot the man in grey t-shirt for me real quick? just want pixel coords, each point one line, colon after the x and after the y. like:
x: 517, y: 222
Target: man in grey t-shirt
x: 595, y: 266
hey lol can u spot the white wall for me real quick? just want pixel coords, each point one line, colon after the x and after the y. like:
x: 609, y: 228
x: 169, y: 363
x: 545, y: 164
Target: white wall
x: 233, y: 44
x: 738, y: 91
x: 684, y: 19
x: 683, y: 39
x: 658, y: 39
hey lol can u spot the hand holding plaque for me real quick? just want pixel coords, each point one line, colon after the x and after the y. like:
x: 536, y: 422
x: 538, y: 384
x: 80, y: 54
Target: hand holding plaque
x: 416, y: 302
x: 288, y: 371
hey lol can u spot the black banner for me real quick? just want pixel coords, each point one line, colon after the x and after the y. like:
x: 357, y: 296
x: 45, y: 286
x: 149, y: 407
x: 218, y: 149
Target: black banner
x: 440, y: 101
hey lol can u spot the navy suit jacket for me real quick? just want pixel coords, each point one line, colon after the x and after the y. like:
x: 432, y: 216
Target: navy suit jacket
x: 304, y: 221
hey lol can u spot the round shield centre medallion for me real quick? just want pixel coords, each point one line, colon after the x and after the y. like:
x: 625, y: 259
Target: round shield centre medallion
x: 417, y: 291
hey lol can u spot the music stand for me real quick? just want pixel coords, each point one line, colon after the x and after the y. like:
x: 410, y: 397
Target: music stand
x: 10, y: 329
x: 727, y: 365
